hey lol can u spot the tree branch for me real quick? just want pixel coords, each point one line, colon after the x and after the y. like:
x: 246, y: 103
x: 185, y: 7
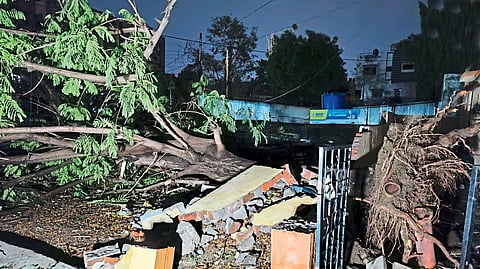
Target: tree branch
x: 156, y: 36
x: 46, y: 171
x: 42, y: 157
x: 60, y: 189
x: 74, y: 74
x: 55, y: 129
x: 23, y: 32
x: 163, y: 122
x: 38, y: 138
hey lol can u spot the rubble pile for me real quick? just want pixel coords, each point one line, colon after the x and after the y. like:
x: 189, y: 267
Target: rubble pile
x: 238, y: 215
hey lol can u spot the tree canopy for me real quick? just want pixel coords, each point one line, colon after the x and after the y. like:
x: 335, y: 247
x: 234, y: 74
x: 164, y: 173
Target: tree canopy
x: 448, y: 43
x: 305, y: 65
x: 80, y: 103
x: 229, y: 35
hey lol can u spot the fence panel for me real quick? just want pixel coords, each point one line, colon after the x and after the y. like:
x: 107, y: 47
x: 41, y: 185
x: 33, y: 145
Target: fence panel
x: 333, y: 178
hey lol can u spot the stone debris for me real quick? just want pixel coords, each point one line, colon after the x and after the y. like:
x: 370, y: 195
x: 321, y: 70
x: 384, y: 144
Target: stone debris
x: 159, y: 215
x: 247, y: 258
x: 151, y: 217
x: 205, y: 239
x: 240, y: 214
x: 189, y: 236
x: 397, y: 265
x: 240, y: 210
x: 100, y: 257
x: 274, y: 198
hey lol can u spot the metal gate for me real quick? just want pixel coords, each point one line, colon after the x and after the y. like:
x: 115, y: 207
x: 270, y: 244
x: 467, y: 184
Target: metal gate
x: 333, y: 178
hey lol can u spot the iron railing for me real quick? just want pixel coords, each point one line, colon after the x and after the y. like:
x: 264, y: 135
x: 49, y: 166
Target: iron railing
x: 333, y: 178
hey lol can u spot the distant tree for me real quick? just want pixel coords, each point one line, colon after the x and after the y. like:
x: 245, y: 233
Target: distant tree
x: 448, y: 43
x: 312, y: 63
x: 229, y: 34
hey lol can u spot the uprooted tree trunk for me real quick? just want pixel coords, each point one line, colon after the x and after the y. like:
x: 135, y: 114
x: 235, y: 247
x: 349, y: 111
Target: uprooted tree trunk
x: 187, y: 154
x: 414, y: 165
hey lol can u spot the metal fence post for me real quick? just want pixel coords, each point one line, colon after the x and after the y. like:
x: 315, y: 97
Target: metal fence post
x: 470, y: 210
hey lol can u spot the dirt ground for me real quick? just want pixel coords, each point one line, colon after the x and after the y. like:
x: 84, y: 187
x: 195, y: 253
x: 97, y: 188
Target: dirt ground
x: 65, y: 227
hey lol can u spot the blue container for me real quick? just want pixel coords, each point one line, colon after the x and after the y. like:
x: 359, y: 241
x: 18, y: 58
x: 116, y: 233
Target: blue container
x: 334, y: 100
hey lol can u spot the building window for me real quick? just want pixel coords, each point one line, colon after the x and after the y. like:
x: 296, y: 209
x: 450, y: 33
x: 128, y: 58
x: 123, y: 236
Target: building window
x: 388, y: 76
x: 369, y: 70
x: 408, y: 67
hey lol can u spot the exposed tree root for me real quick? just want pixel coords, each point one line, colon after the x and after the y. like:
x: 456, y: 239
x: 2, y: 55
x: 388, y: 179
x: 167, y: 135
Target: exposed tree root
x: 415, y: 165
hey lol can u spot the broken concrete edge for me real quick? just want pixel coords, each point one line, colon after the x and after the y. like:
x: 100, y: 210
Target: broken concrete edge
x: 159, y: 215
x: 225, y: 212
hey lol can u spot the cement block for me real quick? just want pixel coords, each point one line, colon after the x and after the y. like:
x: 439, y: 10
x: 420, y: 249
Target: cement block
x: 378, y: 263
x: 240, y: 214
x: 247, y: 244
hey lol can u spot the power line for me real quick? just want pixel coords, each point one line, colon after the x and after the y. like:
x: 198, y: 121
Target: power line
x: 257, y: 9
x: 318, y: 71
x: 203, y: 42
x: 317, y: 16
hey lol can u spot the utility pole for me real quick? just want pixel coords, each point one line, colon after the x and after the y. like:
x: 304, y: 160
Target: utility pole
x: 200, y: 50
x: 226, y: 73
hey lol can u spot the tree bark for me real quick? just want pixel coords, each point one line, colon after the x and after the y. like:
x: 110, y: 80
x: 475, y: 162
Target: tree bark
x: 156, y: 36
x: 78, y: 75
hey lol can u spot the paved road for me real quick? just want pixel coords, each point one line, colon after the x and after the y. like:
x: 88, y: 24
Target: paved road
x: 13, y: 257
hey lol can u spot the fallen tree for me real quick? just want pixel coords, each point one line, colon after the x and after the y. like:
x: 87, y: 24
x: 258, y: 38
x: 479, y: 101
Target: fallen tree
x: 416, y: 165
x: 97, y: 114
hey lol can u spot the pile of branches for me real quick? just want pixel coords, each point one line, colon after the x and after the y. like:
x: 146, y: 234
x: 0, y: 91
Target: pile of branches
x: 415, y: 165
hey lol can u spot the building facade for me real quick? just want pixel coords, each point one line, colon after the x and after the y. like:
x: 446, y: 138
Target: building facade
x: 383, y: 77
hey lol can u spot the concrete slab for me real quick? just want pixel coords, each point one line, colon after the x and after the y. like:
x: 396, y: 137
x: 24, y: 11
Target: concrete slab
x: 16, y: 258
x: 234, y: 189
x: 281, y: 211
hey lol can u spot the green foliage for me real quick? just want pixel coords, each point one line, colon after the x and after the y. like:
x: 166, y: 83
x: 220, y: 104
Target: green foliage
x: 86, y: 144
x: 217, y: 111
x: 77, y: 113
x: 10, y: 111
x: 310, y: 64
x: 214, y: 105
x: 11, y: 51
x: 110, y: 144
x: 14, y: 170
x: 256, y: 129
x: 8, y: 16
x: 9, y: 195
x: 96, y: 167
x: 25, y: 145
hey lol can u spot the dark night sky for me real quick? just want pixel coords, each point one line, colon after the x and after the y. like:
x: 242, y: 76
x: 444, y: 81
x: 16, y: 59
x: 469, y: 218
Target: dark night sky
x: 361, y: 25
